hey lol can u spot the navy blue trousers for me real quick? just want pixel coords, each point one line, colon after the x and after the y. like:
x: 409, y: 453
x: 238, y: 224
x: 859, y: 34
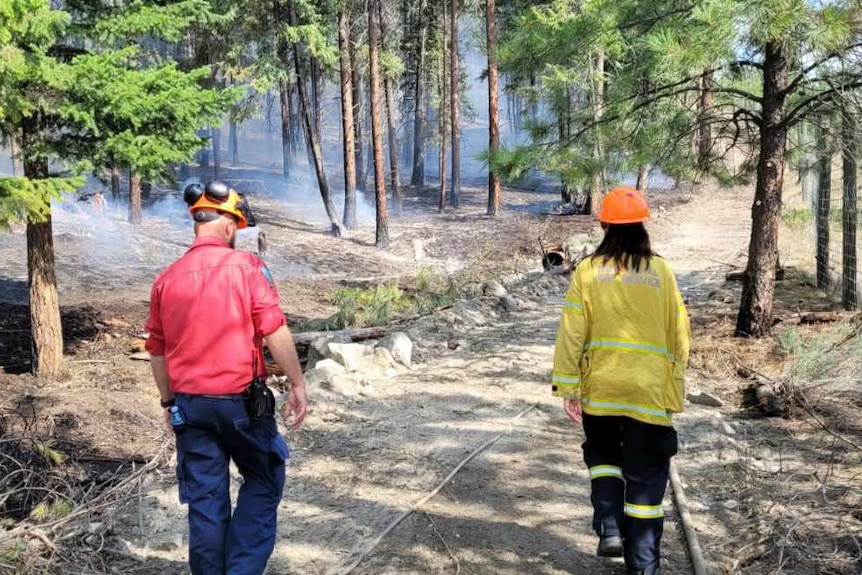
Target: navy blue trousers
x: 217, y: 431
x: 629, y: 464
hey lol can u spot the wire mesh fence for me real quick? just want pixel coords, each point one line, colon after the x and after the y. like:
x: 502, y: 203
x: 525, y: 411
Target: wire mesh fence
x: 819, y: 234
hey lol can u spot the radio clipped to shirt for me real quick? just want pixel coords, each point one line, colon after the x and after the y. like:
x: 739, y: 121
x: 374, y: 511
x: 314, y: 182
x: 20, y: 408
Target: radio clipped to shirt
x: 258, y: 397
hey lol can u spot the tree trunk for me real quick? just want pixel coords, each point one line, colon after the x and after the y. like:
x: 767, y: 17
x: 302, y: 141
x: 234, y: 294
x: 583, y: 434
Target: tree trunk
x: 356, y: 84
x: 493, y: 106
x: 418, y: 176
x: 454, y: 83
x: 347, y: 120
x: 391, y: 129
x: 643, y: 177
x: 135, y: 200
x: 597, y: 99
x: 311, y: 135
x: 115, y: 183
x: 286, y: 148
x: 317, y: 97
x: 442, y: 114
x: 382, y: 238
x: 45, y: 327
x: 216, y: 142
x: 233, y: 144
x: 704, y: 130
x: 824, y: 203
x: 16, y: 156
x: 849, y: 292
x: 755, y: 312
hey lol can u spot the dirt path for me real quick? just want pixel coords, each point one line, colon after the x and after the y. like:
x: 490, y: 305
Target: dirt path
x: 520, y: 507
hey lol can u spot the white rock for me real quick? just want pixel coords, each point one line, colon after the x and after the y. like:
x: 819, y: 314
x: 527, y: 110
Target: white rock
x: 493, y: 288
x: 319, y: 348
x: 730, y: 504
x: 353, y: 356
x: 509, y: 303
x: 400, y: 346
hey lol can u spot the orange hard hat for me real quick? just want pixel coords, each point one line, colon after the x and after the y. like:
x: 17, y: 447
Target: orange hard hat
x: 624, y: 205
x: 218, y: 197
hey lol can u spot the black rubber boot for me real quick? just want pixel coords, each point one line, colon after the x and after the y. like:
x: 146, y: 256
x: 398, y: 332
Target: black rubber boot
x: 610, y: 546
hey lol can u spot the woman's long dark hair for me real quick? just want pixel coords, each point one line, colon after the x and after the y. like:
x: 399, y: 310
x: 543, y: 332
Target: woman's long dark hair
x: 627, y: 246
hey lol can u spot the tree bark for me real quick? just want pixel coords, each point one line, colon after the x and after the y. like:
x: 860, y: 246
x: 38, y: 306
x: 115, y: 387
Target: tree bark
x: 286, y: 151
x: 233, y: 143
x: 135, y: 199
x: 824, y: 202
x: 493, y: 106
x: 348, y: 129
x: 45, y: 327
x: 317, y: 97
x: 755, y: 312
x: 216, y: 143
x: 16, y: 156
x: 356, y: 84
x: 417, y: 178
x: 382, y: 236
x: 311, y: 135
x: 643, y: 177
x: 597, y: 99
x: 115, y: 183
x: 454, y: 83
x: 391, y: 129
x: 704, y: 130
x: 849, y: 291
x: 283, y: 53
x: 442, y: 114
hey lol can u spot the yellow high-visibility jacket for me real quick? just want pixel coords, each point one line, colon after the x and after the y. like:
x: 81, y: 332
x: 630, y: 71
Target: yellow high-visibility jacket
x: 623, y: 342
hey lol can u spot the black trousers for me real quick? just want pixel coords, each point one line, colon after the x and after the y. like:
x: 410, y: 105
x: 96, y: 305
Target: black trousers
x: 629, y: 463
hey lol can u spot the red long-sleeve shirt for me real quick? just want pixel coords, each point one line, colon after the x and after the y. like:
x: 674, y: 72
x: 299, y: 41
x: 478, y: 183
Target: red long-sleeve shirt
x: 209, y: 313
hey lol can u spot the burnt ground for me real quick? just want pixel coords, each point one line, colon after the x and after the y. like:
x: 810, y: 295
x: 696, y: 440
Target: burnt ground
x: 769, y: 495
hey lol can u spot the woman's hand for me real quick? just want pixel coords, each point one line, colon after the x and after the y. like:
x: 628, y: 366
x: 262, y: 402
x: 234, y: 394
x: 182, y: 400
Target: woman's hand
x: 573, y: 409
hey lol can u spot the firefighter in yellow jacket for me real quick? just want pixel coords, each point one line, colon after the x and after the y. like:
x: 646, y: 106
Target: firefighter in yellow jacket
x: 620, y: 366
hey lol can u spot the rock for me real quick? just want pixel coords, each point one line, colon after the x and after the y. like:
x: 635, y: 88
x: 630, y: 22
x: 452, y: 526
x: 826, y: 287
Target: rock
x: 699, y: 397
x: 730, y: 504
x: 509, y: 303
x: 332, y: 376
x: 353, y: 356
x: 140, y: 356
x: 493, y: 288
x: 319, y: 348
x: 400, y: 346
x: 383, y: 358
x: 366, y: 390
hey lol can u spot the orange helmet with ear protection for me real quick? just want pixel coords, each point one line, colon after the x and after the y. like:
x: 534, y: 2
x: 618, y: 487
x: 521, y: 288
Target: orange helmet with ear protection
x: 624, y: 205
x: 218, y: 198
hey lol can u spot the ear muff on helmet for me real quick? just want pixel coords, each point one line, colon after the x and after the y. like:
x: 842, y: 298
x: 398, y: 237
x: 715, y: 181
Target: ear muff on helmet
x: 207, y: 202
x: 192, y: 194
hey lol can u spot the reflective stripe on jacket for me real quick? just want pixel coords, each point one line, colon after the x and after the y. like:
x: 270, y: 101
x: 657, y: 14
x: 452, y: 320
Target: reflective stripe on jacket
x: 623, y: 342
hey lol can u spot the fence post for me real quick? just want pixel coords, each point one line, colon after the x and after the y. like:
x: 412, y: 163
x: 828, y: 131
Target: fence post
x: 824, y: 182
x: 849, y: 148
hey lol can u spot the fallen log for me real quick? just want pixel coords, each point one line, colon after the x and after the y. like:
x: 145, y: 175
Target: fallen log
x: 819, y: 317
x: 739, y: 275
x: 356, y: 334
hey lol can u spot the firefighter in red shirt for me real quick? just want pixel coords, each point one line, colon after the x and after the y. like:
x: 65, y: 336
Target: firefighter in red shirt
x: 210, y: 314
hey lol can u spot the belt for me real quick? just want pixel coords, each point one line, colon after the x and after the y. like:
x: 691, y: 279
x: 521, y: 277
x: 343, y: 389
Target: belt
x: 228, y: 397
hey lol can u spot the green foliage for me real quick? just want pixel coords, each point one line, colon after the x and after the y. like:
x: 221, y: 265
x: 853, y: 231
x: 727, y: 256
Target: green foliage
x: 14, y: 553
x: 382, y: 304
x: 146, y: 119
x: 51, y: 509
x: 24, y: 199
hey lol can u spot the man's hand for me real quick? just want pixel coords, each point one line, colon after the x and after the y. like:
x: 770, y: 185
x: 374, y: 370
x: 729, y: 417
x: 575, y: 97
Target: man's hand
x: 573, y: 409
x: 168, y: 428
x: 296, y: 404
